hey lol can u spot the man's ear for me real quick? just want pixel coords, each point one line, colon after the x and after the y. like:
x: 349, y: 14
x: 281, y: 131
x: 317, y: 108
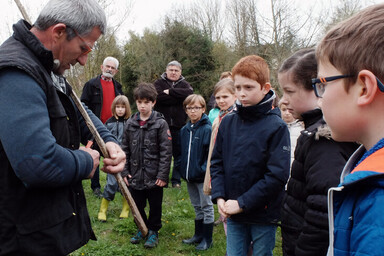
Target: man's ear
x: 101, y: 67
x: 366, y: 87
x: 58, y: 31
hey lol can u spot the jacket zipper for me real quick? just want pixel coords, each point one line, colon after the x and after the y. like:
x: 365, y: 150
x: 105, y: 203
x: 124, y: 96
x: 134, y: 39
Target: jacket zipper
x: 141, y: 155
x: 330, y: 218
x: 189, y: 154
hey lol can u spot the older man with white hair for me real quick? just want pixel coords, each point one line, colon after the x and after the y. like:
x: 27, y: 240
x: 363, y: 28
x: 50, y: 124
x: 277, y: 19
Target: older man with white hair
x: 98, y: 94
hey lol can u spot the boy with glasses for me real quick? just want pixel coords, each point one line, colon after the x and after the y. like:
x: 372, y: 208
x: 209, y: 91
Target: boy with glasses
x: 195, y: 137
x: 353, y: 108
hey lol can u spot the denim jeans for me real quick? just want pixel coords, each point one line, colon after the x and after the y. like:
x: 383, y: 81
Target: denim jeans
x: 240, y: 236
x: 111, y: 187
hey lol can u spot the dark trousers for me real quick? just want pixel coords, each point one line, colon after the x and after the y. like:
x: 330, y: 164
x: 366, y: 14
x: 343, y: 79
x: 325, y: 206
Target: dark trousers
x: 155, y: 200
x: 176, y: 153
x: 95, y: 181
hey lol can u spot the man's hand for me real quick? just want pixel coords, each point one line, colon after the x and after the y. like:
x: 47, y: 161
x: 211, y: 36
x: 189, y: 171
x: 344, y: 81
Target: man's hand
x: 232, y: 207
x: 116, y: 161
x: 95, y: 156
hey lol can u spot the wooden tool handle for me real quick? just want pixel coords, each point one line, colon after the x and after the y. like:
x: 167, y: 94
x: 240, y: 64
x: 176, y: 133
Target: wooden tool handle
x: 123, y: 187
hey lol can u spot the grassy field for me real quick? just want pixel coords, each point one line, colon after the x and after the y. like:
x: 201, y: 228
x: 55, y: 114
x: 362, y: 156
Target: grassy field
x: 178, y: 223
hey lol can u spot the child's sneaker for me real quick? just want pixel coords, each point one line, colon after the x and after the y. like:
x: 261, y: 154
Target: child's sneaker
x: 152, y: 239
x: 137, y: 238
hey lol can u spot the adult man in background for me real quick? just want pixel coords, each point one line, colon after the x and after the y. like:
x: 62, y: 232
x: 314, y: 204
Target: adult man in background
x: 98, y: 94
x: 172, y: 89
x: 42, y: 204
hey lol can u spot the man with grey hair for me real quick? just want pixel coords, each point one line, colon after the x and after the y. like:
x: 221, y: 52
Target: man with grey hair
x: 172, y: 89
x: 98, y: 94
x: 42, y: 204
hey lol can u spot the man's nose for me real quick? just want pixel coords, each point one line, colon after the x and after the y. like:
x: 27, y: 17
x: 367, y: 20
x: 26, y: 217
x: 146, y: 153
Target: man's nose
x: 82, y: 59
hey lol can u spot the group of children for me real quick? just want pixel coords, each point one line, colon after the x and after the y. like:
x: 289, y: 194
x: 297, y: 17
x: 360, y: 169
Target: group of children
x: 243, y: 161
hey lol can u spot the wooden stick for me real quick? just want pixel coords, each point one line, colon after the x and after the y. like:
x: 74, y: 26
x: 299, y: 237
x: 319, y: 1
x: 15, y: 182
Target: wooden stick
x: 123, y: 187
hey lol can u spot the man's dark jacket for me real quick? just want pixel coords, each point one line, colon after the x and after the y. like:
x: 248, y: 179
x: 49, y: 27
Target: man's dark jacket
x: 92, y: 95
x: 48, y: 219
x: 171, y: 105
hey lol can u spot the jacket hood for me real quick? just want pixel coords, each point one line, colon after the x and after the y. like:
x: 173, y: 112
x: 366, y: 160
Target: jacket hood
x: 262, y: 108
x: 164, y: 77
x: 204, y: 120
x: 315, y: 125
x: 369, y: 165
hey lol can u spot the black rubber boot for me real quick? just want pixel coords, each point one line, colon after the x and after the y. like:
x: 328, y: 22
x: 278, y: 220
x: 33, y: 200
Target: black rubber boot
x: 198, y: 236
x: 206, y: 243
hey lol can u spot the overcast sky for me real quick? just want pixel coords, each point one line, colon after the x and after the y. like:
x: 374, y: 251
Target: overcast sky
x: 144, y: 13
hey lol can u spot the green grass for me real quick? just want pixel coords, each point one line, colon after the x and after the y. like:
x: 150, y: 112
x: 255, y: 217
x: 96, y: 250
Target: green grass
x: 178, y: 223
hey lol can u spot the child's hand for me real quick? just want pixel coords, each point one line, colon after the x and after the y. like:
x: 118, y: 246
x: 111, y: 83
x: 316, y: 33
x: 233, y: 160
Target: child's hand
x: 126, y: 179
x: 221, y: 207
x: 232, y: 207
x: 160, y: 183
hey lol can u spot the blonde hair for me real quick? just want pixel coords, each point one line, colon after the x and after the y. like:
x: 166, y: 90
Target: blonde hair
x: 225, y: 84
x: 194, y: 98
x: 121, y: 100
x: 225, y: 74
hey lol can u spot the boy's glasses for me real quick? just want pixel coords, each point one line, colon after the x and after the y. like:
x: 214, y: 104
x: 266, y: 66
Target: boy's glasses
x: 193, y: 108
x: 319, y: 84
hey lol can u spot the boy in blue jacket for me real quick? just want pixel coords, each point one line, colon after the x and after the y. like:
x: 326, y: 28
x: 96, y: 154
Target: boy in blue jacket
x: 195, y: 137
x: 350, y: 85
x: 250, y: 162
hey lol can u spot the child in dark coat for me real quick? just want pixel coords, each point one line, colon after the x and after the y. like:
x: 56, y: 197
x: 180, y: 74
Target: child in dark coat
x: 250, y: 162
x: 147, y: 144
x: 121, y: 111
x: 195, y: 138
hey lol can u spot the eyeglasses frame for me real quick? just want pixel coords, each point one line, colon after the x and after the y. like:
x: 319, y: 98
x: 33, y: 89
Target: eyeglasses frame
x: 324, y: 80
x: 194, y: 108
x: 89, y: 49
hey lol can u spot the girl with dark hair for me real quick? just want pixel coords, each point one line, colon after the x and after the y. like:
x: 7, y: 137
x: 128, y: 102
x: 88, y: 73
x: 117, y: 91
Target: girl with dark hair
x: 317, y: 165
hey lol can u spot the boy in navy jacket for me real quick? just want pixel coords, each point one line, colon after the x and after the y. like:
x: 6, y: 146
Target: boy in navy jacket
x: 250, y: 162
x: 195, y: 137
